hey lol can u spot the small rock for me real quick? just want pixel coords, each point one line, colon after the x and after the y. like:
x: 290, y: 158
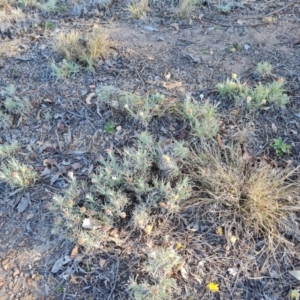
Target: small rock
x: 247, y: 47
x: 16, y: 272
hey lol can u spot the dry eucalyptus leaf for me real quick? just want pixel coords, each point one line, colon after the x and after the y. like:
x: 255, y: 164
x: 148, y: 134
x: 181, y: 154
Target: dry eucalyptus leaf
x: 60, y: 263
x: 295, y: 274
x: 274, y: 127
x: 175, y: 25
x: 102, y: 262
x: 89, y: 98
x: 173, y: 85
x: 91, y: 223
x: 23, y: 204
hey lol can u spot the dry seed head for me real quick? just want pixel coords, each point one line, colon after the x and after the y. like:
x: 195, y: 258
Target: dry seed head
x: 82, y: 209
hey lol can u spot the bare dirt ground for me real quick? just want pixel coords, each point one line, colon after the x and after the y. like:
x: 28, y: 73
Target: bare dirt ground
x: 148, y: 56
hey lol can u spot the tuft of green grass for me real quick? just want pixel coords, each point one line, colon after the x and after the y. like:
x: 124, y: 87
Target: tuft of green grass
x: 65, y: 69
x: 17, y: 175
x: 9, y: 149
x: 280, y: 147
x: 110, y: 127
x: 138, y: 8
x: 264, y: 68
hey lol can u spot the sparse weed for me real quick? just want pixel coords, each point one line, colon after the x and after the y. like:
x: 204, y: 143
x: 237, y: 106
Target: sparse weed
x: 142, y: 109
x: 264, y: 68
x: 48, y: 25
x: 5, y: 120
x: 65, y: 69
x: 30, y: 3
x: 125, y: 181
x: 280, y: 147
x: 13, y: 104
x: 8, y: 149
x: 256, y: 97
x: 161, y: 291
x: 49, y: 5
x: 138, y: 8
x: 224, y: 8
x: 16, y: 174
x: 86, y: 50
x: 161, y: 262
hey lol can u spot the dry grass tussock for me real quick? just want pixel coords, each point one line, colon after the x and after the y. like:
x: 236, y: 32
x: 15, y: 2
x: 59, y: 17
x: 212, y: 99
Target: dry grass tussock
x: 85, y: 50
x: 257, y: 194
x: 138, y: 8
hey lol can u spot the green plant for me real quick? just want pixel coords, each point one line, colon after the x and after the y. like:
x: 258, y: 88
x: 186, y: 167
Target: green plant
x: 225, y: 8
x: 49, y: 5
x: 110, y: 127
x: 138, y: 8
x: 62, y: 8
x: 28, y: 2
x: 231, y: 87
x: 5, y: 120
x: 161, y: 291
x: 280, y: 147
x: 142, y: 109
x: 256, y: 97
x: 16, y: 174
x: 48, y: 25
x: 122, y: 182
x: 12, y: 103
x: 264, y: 68
x: 65, y: 69
x: 9, y: 149
x: 161, y: 262
x: 203, y: 118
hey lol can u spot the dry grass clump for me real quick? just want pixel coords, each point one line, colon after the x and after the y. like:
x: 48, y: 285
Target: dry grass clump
x: 259, y: 195
x: 84, y: 50
x: 186, y: 8
x: 138, y: 8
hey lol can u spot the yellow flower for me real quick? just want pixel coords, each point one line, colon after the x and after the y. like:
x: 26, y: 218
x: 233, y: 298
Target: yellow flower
x: 167, y: 158
x: 233, y: 239
x: 219, y: 230
x: 178, y: 246
x: 149, y: 229
x: 294, y: 295
x: 213, y: 287
x: 233, y: 76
